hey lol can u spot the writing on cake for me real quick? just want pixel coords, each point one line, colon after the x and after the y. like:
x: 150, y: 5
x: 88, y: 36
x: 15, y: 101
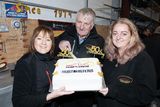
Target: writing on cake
x: 78, y: 71
x: 77, y: 65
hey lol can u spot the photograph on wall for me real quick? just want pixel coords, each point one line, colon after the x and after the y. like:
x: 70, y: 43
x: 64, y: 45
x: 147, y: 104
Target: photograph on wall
x: 58, y: 27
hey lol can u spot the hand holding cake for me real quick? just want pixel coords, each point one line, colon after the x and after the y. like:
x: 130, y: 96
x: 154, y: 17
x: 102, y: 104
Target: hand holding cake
x: 57, y: 93
x: 104, y: 91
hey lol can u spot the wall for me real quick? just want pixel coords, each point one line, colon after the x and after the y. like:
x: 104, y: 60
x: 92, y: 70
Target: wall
x: 15, y: 42
x: 105, y: 10
x: 65, y: 4
x: 104, y: 13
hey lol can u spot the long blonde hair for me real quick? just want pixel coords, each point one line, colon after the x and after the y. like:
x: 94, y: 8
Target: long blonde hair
x: 135, y: 46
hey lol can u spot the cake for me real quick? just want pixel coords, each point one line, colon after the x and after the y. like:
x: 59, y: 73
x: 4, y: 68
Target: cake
x: 79, y: 74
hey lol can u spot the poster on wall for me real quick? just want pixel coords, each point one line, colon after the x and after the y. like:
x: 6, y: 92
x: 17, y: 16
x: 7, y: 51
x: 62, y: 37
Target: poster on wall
x: 16, y: 10
x: 58, y: 27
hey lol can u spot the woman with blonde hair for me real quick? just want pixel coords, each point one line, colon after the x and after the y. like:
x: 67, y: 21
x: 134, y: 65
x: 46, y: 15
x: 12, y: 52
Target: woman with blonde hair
x: 128, y: 70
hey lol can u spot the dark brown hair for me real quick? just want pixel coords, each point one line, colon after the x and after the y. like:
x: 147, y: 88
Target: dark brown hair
x: 45, y: 30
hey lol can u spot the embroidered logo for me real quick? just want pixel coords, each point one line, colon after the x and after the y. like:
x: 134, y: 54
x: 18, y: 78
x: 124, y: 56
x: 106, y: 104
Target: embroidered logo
x: 125, y: 79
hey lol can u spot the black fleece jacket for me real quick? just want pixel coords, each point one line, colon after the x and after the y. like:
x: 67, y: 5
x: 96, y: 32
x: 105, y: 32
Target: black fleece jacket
x: 130, y: 85
x: 31, y: 83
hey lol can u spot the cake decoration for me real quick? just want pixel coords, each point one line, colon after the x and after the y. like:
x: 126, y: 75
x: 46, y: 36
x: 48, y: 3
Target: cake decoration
x: 96, y: 50
x: 66, y: 54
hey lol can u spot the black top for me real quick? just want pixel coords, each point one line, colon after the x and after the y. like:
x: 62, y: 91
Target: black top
x: 31, y: 81
x: 80, y: 50
x: 131, y: 84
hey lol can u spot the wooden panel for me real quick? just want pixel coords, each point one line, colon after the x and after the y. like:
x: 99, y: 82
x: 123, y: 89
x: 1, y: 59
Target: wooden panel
x: 102, y: 30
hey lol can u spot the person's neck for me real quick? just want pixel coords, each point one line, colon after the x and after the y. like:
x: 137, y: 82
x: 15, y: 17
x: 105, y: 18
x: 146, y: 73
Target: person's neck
x: 121, y: 51
x: 83, y: 36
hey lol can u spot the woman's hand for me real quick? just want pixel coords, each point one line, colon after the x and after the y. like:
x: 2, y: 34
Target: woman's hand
x: 57, y: 93
x: 104, y: 91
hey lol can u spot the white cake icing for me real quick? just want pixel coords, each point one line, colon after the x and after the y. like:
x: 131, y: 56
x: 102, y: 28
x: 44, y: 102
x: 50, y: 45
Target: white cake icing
x: 80, y: 74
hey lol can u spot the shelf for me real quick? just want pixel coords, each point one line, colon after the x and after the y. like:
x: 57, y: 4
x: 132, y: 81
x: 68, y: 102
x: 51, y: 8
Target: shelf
x: 139, y: 15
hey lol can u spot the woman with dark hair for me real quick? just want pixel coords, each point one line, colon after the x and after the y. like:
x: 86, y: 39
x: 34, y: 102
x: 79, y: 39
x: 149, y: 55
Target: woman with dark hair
x: 128, y: 70
x: 33, y: 73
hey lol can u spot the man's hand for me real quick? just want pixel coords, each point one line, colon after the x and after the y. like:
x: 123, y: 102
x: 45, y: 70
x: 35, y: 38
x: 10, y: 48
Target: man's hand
x: 65, y: 45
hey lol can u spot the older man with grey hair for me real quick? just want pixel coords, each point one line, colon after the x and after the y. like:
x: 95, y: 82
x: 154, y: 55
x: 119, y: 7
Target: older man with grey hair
x: 77, y: 39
